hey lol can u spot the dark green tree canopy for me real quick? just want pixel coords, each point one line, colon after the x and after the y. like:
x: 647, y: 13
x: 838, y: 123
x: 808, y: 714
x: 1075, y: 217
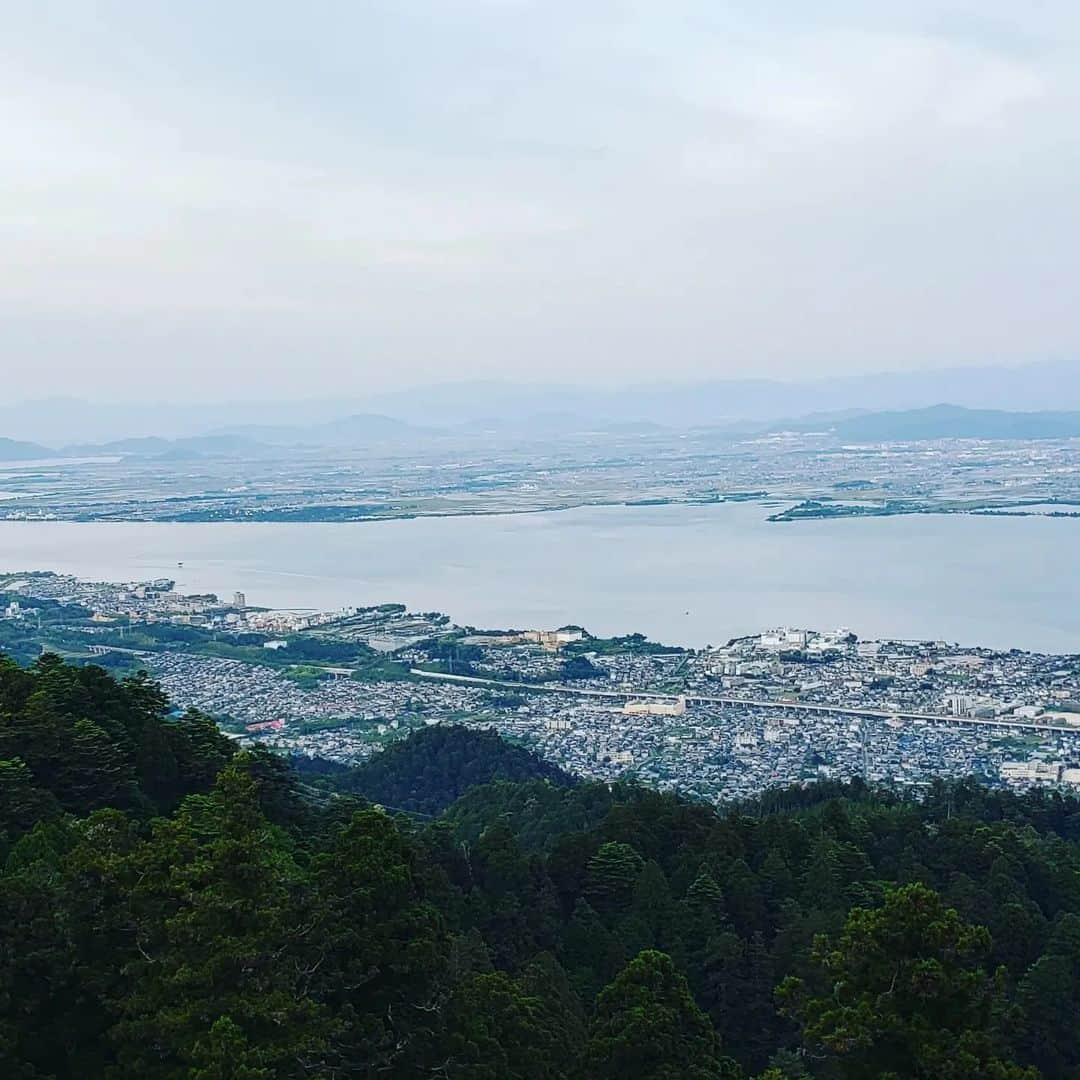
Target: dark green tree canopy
x: 173, y: 907
x: 907, y: 996
x: 648, y: 1027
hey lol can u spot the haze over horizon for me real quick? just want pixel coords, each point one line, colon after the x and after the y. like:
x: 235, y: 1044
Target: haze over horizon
x: 137, y: 394
x: 212, y: 204
x: 1044, y: 391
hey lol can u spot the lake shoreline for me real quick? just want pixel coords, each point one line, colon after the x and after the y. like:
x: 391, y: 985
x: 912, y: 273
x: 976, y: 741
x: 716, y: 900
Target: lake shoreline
x: 796, y: 510
x: 687, y: 574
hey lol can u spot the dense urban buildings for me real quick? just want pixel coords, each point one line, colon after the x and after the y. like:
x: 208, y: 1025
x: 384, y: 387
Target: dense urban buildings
x: 786, y: 706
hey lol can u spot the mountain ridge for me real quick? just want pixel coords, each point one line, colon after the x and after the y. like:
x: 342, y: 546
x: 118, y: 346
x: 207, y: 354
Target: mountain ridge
x: 21, y: 450
x: 1044, y: 385
x: 946, y: 421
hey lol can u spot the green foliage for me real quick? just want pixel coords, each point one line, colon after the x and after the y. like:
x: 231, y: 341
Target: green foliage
x: 611, y: 875
x: 216, y: 905
x: 382, y: 948
x: 905, y: 996
x: 496, y: 1030
x: 636, y: 644
x: 170, y: 908
x: 705, y: 892
x: 648, y: 1027
x: 87, y: 741
x: 579, y: 667
x: 306, y: 676
x: 431, y: 768
x: 22, y: 805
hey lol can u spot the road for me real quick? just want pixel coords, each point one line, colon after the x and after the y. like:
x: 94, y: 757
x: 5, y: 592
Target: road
x: 757, y: 703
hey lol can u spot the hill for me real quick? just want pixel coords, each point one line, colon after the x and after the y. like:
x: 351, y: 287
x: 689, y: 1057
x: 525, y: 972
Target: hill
x: 955, y: 422
x: 15, y: 450
x: 152, y: 446
x: 1050, y: 385
x: 353, y: 431
x: 433, y: 767
x: 75, y: 741
x: 157, y: 922
x: 504, y: 405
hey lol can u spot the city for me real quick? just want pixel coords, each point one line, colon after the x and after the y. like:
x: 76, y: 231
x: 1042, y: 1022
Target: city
x: 786, y: 706
x: 538, y: 541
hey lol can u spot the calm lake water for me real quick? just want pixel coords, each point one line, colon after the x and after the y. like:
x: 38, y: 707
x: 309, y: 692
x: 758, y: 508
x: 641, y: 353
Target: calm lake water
x: 686, y: 575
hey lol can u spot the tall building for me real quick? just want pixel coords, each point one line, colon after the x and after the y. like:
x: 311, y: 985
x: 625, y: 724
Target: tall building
x: 239, y: 600
x: 960, y: 705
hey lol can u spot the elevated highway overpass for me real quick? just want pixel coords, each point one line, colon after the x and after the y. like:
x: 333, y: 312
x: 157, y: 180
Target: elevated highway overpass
x: 756, y: 703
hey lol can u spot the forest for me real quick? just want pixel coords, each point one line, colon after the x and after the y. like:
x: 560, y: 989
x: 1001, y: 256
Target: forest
x: 172, y: 906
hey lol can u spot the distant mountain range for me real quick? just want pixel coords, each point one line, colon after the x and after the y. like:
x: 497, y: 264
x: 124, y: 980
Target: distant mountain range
x: 528, y: 409
x: 1052, y: 385
x: 358, y: 429
x: 244, y: 441
x: 954, y: 422
x: 152, y: 446
x: 381, y: 433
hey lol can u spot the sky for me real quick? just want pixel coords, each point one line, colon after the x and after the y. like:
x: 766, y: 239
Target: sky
x: 203, y: 201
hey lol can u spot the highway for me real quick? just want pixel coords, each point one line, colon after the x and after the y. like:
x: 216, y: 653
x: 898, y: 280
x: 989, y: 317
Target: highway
x: 698, y: 699
x: 756, y: 703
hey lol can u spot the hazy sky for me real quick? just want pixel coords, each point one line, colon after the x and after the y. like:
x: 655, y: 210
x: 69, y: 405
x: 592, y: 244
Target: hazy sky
x: 219, y: 198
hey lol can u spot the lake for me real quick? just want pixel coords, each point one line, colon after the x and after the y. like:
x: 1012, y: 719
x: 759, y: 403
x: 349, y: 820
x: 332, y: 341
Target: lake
x: 686, y: 575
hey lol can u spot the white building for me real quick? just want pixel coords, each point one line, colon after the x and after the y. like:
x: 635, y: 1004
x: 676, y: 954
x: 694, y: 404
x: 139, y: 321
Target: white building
x: 655, y: 708
x: 1031, y: 772
x: 1027, y: 712
x: 959, y: 705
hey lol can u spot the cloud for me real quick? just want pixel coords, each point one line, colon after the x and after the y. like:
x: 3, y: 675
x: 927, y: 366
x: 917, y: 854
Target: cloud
x: 595, y: 189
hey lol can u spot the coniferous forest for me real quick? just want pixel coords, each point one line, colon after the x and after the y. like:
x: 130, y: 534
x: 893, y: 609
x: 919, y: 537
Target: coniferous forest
x: 171, y: 907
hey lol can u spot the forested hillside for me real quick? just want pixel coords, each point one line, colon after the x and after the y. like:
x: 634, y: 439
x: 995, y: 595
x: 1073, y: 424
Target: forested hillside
x: 432, y: 768
x: 171, y: 909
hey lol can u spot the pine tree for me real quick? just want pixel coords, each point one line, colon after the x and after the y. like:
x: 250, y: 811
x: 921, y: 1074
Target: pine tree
x: 704, y: 892
x: 382, y: 950
x: 94, y: 772
x: 22, y: 804
x: 591, y: 953
x: 611, y: 875
x: 648, y: 1027
x: 496, y: 1031
x: 906, y: 997
x: 221, y: 928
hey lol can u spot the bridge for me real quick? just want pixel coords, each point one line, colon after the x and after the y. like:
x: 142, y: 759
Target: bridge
x: 102, y: 650
x: 337, y: 672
